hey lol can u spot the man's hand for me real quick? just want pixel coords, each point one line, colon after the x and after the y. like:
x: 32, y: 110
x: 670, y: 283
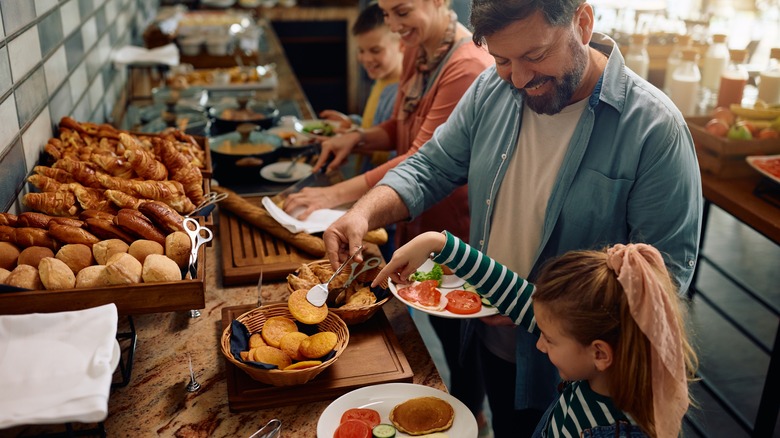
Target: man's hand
x: 344, y: 236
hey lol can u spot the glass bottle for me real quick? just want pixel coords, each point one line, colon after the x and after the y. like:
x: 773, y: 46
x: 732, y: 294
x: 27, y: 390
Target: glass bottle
x: 716, y: 60
x: 637, y: 58
x: 674, y: 59
x: 733, y: 79
x: 684, y: 88
x: 769, y: 79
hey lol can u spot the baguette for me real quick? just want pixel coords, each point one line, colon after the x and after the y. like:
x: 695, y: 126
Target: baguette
x: 260, y: 218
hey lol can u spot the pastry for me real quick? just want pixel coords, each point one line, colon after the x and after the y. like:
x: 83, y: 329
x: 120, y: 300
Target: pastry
x: 122, y: 268
x: 26, y: 237
x: 33, y: 219
x: 140, y: 249
x: 159, y: 268
x: 92, y: 276
x: 76, y: 256
x: 8, y: 219
x: 103, y: 250
x: 106, y: 229
x: 162, y: 215
x: 69, y: 234
x: 25, y: 276
x: 136, y: 223
x: 177, y: 248
x: 55, y: 274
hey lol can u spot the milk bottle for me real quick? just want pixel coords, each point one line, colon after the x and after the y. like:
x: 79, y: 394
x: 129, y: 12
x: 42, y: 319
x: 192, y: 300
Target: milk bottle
x: 674, y: 59
x: 637, y: 58
x: 769, y: 79
x: 684, y: 89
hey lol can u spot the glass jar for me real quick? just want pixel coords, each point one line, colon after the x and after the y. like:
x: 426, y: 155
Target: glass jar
x: 716, y: 60
x: 637, y: 58
x: 674, y: 59
x: 769, y: 79
x: 733, y: 79
x: 686, y: 79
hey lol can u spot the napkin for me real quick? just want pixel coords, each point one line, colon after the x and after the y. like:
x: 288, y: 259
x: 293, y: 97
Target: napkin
x: 317, y: 222
x: 167, y: 54
x: 57, y: 367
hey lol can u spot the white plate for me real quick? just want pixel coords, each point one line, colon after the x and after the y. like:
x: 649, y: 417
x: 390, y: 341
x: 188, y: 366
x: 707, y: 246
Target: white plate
x: 426, y: 267
x: 301, y: 140
x: 115, y: 355
x: 299, y: 171
x: 307, y: 122
x: 755, y: 162
x: 383, y: 398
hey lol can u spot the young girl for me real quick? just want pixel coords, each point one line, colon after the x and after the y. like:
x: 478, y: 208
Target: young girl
x: 609, y: 320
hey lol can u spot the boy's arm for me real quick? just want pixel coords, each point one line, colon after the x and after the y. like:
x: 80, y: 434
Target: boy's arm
x: 510, y: 293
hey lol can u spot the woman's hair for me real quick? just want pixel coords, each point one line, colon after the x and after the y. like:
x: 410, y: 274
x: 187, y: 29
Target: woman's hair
x: 369, y: 19
x: 585, y: 294
x: 490, y: 16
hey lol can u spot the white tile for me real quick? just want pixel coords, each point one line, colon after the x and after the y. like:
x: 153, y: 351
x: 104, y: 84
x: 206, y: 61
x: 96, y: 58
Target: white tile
x: 36, y: 136
x: 24, y: 52
x: 96, y: 90
x: 121, y: 23
x: 71, y: 19
x: 111, y: 10
x: 10, y: 126
x: 104, y: 48
x: 89, y: 34
x: 56, y: 69
x: 43, y: 6
x: 2, y: 29
x: 78, y: 82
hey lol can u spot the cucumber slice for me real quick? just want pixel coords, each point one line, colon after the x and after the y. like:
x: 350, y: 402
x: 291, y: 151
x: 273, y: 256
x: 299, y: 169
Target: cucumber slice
x: 485, y: 302
x: 383, y: 431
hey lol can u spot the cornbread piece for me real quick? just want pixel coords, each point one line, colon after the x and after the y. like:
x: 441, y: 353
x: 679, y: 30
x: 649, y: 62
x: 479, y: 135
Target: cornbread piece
x: 276, y: 327
x: 422, y: 415
x: 304, y: 311
x: 318, y: 345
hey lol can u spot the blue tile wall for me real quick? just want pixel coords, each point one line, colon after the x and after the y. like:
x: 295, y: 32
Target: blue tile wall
x: 63, y: 70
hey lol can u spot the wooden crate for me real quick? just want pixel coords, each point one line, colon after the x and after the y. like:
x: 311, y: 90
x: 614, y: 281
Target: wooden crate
x: 131, y: 299
x: 723, y: 157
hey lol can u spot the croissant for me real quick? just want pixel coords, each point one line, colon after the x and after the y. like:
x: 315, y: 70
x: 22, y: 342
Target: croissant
x: 61, y: 203
x: 45, y: 184
x: 129, y: 142
x: 181, y: 169
x: 112, y: 165
x: 71, y: 139
x: 59, y: 175
x: 80, y: 170
x: 102, y: 130
x: 145, y: 165
x: 89, y: 198
x: 122, y: 199
x: 54, y: 148
x: 169, y: 192
x: 173, y: 159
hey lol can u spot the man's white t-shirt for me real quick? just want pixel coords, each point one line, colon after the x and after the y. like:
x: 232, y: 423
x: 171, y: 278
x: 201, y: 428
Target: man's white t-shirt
x: 521, y: 203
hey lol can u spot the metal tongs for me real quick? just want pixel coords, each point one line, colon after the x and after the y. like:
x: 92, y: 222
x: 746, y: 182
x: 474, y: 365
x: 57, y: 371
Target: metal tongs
x: 272, y: 429
x: 319, y: 294
x: 208, y: 199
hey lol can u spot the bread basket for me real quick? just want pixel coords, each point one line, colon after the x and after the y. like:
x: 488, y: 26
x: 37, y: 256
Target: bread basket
x: 254, y: 320
x: 356, y: 315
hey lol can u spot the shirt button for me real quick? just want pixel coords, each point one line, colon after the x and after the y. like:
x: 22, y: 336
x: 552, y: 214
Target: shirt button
x: 691, y: 263
x: 481, y: 242
x: 503, y: 156
x: 487, y: 202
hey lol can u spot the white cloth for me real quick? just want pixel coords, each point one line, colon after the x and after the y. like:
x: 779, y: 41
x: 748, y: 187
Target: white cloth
x: 133, y: 55
x: 317, y: 222
x: 57, y: 367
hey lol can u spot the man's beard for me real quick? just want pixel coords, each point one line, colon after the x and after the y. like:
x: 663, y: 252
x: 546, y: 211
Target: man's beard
x: 563, y: 88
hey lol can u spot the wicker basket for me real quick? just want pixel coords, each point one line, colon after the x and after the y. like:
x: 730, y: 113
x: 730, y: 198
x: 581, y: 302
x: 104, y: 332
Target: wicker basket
x: 356, y: 315
x: 254, y: 320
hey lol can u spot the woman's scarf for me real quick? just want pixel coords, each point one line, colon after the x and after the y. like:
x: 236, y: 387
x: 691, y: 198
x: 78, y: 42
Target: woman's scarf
x: 653, y: 312
x: 415, y: 88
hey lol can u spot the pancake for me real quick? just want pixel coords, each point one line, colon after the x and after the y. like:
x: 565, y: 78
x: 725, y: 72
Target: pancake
x: 422, y: 415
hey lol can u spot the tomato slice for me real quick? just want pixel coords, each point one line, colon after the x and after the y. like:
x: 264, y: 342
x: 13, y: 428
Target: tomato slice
x: 429, y: 295
x: 368, y: 416
x: 463, y: 302
x: 352, y: 429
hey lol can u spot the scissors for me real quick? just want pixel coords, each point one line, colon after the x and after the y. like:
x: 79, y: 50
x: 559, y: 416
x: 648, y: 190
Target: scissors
x: 198, y: 236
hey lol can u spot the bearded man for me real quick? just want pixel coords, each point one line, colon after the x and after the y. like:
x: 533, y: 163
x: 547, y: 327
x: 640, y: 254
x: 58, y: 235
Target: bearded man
x: 563, y: 148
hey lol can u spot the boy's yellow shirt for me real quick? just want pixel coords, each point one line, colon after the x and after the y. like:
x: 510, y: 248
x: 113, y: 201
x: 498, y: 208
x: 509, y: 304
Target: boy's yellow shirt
x: 373, y: 100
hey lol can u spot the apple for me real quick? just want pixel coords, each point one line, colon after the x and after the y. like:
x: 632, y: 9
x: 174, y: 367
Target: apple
x: 752, y: 127
x: 739, y: 132
x: 724, y: 114
x: 717, y: 127
x: 767, y: 133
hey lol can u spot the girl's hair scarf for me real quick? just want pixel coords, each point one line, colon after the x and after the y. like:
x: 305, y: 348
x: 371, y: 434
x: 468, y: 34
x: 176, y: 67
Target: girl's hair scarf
x: 654, y: 313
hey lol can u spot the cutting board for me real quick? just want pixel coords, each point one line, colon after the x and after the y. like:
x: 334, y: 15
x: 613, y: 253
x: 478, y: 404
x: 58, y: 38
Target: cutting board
x: 373, y: 356
x: 247, y: 250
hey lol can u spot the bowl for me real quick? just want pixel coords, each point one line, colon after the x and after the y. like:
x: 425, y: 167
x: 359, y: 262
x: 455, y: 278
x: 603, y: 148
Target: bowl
x: 154, y: 111
x: 227, y: 116
x: 254, y: 321
x: 218, y: 45
x: 190, y: 123
x: 358, y: 314
x: 294, y: 142
x: 191, y: 44
x: 193, y: 96
x: 242, y: 153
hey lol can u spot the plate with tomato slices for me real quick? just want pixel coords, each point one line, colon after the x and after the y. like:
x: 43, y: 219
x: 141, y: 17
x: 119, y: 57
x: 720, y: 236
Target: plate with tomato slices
x: 448, y: 302
x: 356, y: 406
x: 767, y: 165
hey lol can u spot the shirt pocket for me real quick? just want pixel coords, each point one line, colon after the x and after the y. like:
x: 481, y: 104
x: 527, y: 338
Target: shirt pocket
x: 596, y: 206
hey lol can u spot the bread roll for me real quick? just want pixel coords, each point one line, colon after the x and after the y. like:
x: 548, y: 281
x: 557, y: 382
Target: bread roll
x: 76, y: 256
x: 33, y: 219
x: 71, y: 234
x: 9, y: 253
x: 122, y: 268
x: 28, y: 236
x: 159, y: 268
x: 66, y: 221
x: 25, y: 276
x: 55, y: 274
x: 7, y: 234
x: 33, y: 255
x: 136, y: 223
x: 105, y: 230
x: 103, y: 250
x: 140, y: 249
x: 92, y: 276
x: 8, y: 219
x: 162, y: 215
x: 177, y: 248
x: 4, y: 273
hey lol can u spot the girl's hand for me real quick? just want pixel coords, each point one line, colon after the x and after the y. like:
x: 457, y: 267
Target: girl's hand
x: 300, y: 205
x: 339, y: 147
x: 409, y: 257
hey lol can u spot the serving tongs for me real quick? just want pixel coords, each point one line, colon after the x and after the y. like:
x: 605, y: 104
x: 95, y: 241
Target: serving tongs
x: 320, y: 294
x: 272, y: 429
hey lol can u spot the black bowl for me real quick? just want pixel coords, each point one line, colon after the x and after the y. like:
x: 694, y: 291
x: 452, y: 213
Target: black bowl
x: 228, y: 116
x: 233, y: 162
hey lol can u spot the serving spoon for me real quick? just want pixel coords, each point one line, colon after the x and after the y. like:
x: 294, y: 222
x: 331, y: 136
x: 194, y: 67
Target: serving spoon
x: 318, y: 295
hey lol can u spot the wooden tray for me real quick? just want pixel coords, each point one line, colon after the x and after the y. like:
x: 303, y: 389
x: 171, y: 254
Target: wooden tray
x: 130, y: 300
x: 373, y: 356
x: 247, y: 250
